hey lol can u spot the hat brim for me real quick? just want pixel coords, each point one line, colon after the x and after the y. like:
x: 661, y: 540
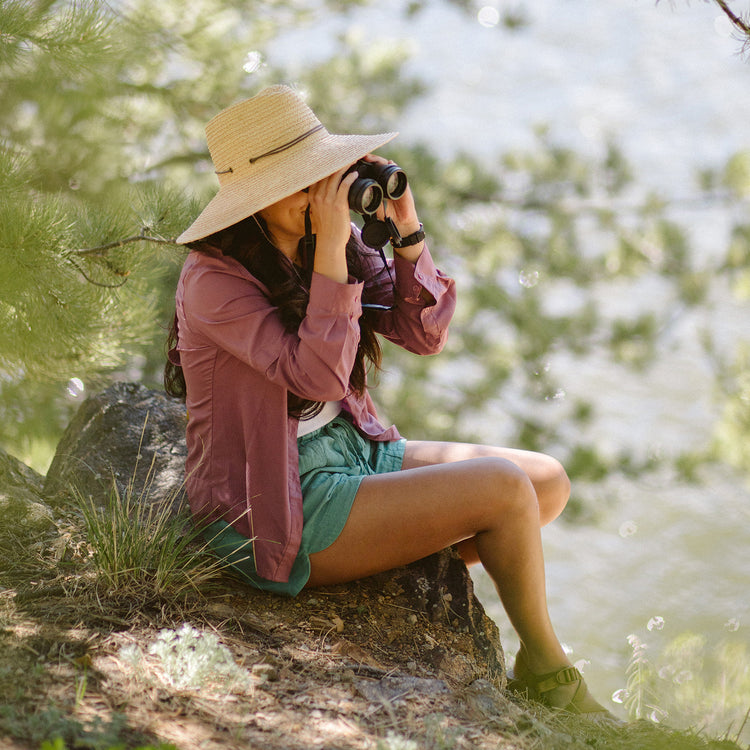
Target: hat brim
x: 285, y: 174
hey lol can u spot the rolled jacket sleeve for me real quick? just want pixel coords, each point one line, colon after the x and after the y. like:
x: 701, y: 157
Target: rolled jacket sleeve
x: 230, y: 308
x: 422, y: 306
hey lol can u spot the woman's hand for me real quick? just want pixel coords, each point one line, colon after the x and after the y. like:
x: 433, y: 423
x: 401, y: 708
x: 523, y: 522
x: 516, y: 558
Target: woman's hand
x: 403, y: 212
x: 331, y: 223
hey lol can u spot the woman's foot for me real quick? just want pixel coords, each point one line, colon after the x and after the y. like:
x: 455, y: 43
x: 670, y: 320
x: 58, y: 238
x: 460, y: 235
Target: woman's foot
x: 563, y: 689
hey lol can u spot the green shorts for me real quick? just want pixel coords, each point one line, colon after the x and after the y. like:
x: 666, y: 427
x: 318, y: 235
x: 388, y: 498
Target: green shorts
x: 333, y: 460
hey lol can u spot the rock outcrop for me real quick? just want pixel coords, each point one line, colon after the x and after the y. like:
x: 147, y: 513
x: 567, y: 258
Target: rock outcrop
x: 26, y: 517
x: 425, y: 613
x: 126, y: 436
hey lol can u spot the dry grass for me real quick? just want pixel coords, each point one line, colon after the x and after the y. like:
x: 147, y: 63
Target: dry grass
x: 145, y: 549
x: 349, y: 667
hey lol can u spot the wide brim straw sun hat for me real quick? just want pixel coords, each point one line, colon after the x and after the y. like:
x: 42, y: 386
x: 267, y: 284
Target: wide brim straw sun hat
x: 267, y: 148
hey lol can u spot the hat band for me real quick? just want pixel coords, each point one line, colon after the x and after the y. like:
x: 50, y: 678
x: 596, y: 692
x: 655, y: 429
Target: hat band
x: 279, y: 149
x: 294, y: 142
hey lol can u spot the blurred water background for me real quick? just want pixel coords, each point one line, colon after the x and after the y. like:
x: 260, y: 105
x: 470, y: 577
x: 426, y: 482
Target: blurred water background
x: 666, y: 557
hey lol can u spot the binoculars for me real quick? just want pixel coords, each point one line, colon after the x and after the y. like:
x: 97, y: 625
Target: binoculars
x: 375, y: 183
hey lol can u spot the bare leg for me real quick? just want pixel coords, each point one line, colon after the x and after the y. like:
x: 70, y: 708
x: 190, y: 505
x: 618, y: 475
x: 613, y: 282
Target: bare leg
x: 491, y: 503
x: 547, y: 475
x: 403, y: 516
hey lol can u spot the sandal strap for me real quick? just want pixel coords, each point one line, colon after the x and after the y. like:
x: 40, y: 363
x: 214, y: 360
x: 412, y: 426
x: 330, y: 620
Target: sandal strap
x: 565, y: 676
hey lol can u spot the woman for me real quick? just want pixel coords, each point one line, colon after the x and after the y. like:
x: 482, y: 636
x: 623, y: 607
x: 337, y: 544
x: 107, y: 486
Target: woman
x: 277, y: 310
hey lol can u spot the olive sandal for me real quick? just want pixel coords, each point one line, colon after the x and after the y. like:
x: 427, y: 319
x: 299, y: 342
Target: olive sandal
x: 541, y: 688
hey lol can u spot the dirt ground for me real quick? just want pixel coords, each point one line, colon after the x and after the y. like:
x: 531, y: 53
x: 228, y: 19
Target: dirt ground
x: 346, y: 667
x: 355, y: 667
x: 399, y: 661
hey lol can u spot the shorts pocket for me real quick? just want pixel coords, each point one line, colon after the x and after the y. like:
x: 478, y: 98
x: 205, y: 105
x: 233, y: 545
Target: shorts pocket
x: 321, y: 452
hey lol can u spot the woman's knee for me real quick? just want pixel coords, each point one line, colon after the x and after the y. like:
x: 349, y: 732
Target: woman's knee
x: 507, y: 489
x: 553, y: 490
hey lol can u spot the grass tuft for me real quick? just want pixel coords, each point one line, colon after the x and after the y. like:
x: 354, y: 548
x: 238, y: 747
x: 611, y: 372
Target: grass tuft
x: 147, y: 549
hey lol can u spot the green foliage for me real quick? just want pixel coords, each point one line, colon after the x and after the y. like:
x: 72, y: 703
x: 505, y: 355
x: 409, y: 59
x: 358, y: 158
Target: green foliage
x: 640, y: 696
x: 55, y: 729
x: 586, y: 464
x: 731, y: 442
x: 142, y: 549
x: 71, y: 304
x: 76, y: 36
x: 64, y: 310
x: 514, y: 236
x: 737, y: 174
x: 101, y: 130
x: 102, y: 144
x: 737, y: 264
x: 633, y: 341
x: 369, y: 78
x: 642, y: 735
x: 676, y: 678
x: 59, y: 744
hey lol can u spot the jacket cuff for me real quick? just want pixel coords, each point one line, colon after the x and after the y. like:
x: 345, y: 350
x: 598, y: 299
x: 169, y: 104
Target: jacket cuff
x: 330, y: 296
x: 411, y: 278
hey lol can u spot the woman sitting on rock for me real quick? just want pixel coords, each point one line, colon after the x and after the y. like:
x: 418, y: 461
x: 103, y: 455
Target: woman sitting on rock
x: 277, y: 310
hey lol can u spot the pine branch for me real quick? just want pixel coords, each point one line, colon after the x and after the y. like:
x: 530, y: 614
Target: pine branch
x: 740, y: 24
x: 75, y: 37
x: 102, y: 249
x: 98, y: 283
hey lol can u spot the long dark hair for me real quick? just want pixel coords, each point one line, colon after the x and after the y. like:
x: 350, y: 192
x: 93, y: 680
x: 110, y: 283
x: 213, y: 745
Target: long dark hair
x: 248, y: 243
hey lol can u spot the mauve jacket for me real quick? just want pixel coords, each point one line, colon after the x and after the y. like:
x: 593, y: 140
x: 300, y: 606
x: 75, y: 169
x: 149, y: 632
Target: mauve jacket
x: 239, y: 362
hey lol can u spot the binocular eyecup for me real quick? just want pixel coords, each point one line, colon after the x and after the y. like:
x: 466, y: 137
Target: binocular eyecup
x: 375, y: 183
